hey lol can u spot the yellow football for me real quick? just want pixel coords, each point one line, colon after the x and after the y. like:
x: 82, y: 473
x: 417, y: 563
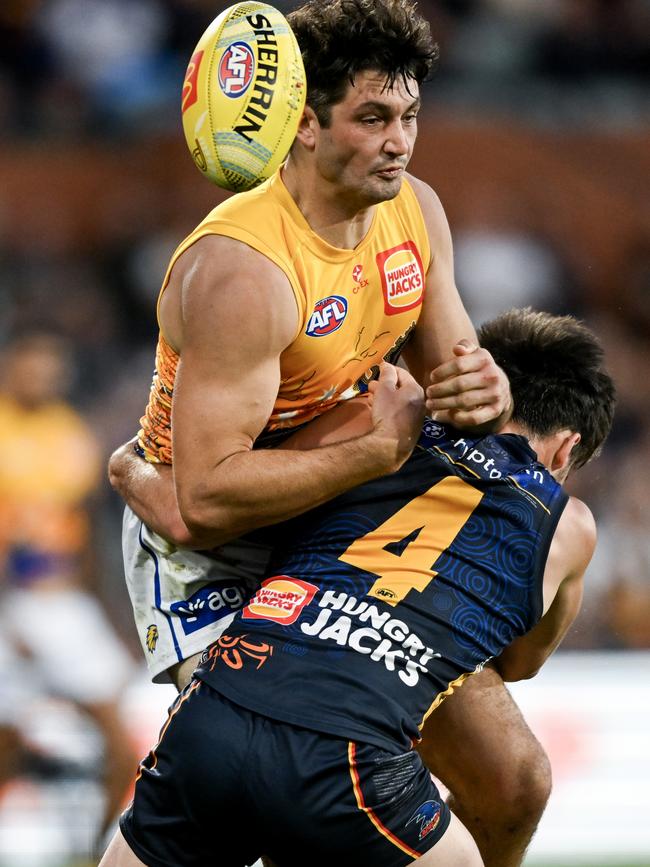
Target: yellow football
x: 243, y: 96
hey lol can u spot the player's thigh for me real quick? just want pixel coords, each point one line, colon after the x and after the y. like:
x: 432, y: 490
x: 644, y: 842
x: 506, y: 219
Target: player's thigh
x: 478, y: 734
x: 181, y: 673
x: 456, y: 848
x: 120, y: 854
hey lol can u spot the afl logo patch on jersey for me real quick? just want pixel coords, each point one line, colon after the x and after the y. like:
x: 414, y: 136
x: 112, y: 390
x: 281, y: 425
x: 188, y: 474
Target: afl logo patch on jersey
x: 402, y: 277
x: 329, y: 314
x: 236, y: 69
x: 280, y: 599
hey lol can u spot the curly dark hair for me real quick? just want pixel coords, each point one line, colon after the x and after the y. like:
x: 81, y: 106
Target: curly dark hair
x: 557, y: 376
x: 339, y: 38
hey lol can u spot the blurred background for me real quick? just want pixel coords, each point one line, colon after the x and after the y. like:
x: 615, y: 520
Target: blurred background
x: 536, y: 135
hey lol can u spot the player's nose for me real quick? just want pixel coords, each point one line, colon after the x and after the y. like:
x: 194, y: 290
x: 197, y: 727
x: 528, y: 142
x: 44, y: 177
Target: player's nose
x: 397, y: 140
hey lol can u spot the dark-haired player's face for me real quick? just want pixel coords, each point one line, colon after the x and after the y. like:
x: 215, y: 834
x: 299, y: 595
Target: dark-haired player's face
x: 369, y: 141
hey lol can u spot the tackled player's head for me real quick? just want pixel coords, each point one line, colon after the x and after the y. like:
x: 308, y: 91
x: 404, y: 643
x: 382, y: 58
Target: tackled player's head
x: 555, y: 365
x: 340, y: 38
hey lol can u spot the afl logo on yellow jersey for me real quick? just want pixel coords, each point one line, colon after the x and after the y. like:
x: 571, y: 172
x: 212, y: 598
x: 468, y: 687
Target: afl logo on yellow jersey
x: 402, y: 277
x: 328, y: 316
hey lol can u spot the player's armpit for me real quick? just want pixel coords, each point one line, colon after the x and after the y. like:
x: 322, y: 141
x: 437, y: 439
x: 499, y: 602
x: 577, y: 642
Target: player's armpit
x: 571, y: 550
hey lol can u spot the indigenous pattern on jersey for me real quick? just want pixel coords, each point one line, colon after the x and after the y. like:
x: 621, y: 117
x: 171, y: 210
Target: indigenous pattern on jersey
x: 356, y: 307
x: 381, y: 601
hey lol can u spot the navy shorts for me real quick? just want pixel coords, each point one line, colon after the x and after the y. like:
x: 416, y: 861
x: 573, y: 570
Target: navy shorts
x: 224, y: 785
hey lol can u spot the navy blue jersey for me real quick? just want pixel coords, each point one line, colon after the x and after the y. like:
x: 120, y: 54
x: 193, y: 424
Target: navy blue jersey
x: 379, y: 602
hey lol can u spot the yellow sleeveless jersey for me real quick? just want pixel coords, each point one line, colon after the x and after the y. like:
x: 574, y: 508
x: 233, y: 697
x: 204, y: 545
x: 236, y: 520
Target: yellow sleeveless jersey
x: 50, y: 463
x: 356, y: 307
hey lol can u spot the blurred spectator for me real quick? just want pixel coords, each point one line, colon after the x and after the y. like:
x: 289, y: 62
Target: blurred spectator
x: 502, y: 260
x: 111, y: 53
x: 635, y: 284
x: 50, y: 621
x: 596, y: 39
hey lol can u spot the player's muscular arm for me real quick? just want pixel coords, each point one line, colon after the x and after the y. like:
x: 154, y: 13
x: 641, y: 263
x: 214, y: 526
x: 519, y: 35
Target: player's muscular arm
x: 465, y: 386
x: 149, y: 488
x: 569, y: 556
x: 236, y: 314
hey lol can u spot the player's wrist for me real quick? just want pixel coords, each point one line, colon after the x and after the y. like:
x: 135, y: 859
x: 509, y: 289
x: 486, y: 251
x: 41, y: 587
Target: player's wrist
x: 388, y: 450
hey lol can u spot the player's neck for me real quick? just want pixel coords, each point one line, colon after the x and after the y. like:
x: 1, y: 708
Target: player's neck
x: 340, y: 221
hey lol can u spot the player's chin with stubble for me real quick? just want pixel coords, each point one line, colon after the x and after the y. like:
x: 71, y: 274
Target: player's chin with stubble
x: 380, y: 189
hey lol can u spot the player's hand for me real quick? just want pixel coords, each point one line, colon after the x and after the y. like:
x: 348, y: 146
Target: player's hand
x: 397, y: 413
x: 470, y: 391
x: 149, y: 491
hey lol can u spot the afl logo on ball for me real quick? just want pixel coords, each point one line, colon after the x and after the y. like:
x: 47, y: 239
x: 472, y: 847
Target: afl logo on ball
x: 236, y: 69
x: 328, y: 315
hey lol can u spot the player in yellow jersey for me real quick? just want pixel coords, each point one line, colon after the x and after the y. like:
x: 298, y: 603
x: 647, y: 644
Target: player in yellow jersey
x: 50, y: 466
x: 281, y: 304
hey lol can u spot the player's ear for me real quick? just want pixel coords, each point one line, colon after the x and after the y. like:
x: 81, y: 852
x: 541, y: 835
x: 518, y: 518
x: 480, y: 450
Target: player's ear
x: 565, y: 440
x: 307, y: 128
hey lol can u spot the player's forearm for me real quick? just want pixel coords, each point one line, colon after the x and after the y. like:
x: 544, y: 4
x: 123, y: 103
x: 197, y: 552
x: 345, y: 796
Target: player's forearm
x: 255, y: 488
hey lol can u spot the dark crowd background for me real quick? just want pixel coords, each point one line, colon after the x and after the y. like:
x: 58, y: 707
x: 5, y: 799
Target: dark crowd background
x: 535, y: 133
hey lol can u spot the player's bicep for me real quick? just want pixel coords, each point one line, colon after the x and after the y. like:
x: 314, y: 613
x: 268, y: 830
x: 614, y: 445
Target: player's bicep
x: 237, y: 318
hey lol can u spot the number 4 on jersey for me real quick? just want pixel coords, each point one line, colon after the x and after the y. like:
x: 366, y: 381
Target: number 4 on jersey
x: 404, y: 549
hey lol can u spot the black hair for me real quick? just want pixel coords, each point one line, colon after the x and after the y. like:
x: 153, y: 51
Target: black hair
x: 339, y: 38
x: 555, y: 365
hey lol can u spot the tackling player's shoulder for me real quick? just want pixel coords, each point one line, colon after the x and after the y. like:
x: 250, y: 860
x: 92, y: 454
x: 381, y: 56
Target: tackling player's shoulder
x: 576, y: 536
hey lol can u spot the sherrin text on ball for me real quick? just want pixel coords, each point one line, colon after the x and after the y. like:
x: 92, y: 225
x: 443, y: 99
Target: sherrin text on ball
x: 243, y: 96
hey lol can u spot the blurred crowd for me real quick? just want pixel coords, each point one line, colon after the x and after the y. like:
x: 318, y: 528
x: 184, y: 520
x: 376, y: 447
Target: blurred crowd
x: 77, y: 309
x: 90, y: 67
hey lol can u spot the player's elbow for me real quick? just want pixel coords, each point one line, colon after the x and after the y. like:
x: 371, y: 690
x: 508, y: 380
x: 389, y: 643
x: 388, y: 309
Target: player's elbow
x: 523, y: 674
x: 513, y: 670
x: 207, y: 520
x: 179, y: 534
x: 116, y: 475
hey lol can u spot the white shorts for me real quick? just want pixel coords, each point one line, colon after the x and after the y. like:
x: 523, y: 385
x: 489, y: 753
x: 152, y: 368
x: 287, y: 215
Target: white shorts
x: 184, y: 600
x: 69, y: 642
